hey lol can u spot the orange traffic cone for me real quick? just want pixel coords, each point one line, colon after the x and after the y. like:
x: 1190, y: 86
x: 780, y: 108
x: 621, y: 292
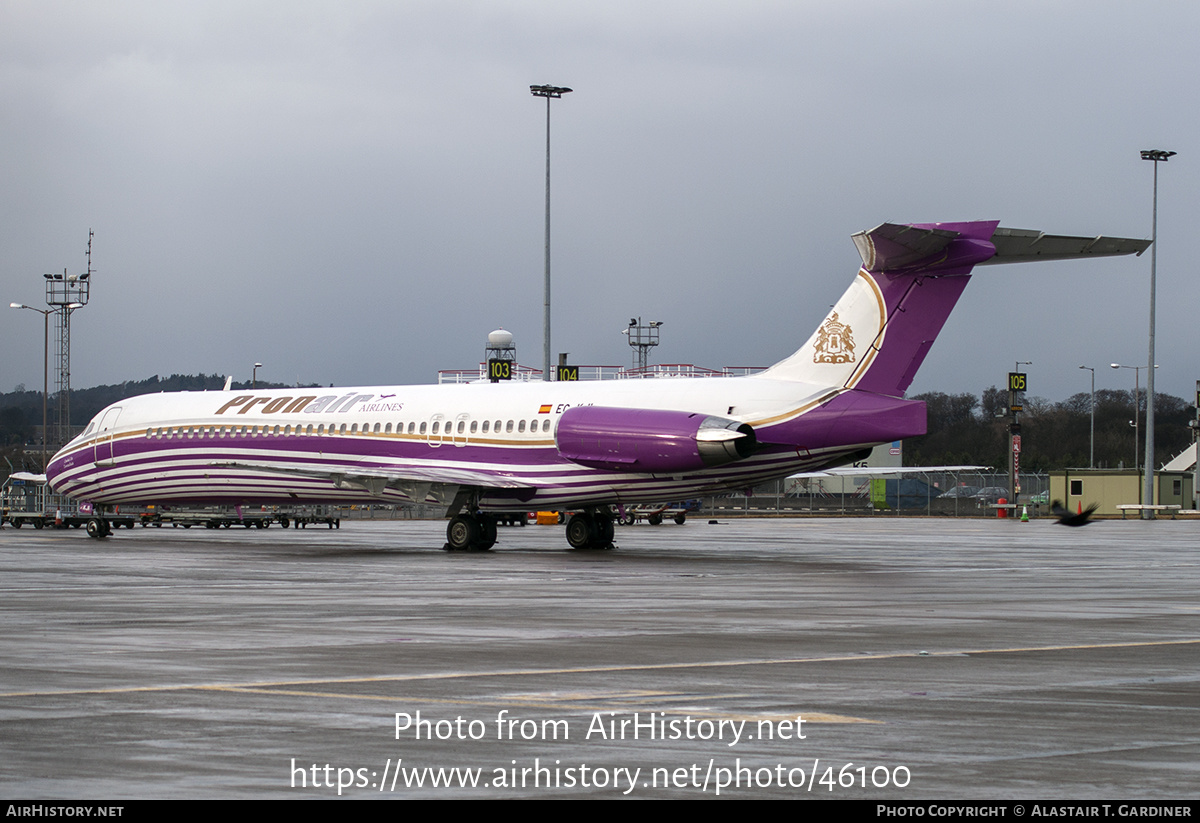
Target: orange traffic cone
x: 1081, y: 507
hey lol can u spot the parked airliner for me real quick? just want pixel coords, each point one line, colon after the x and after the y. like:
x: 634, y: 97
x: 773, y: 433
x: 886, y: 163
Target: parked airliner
x: 585, y: 447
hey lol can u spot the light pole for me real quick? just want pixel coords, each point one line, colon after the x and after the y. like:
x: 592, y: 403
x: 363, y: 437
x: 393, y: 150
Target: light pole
x: 45, y: 313
x: 1156, y: 156
x: 1092, y: 446
x: 1137, y: 370
x: 254, y: 375
x: 550, y: 93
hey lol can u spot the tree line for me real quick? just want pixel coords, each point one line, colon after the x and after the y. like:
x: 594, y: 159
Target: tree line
x: 967, y: 430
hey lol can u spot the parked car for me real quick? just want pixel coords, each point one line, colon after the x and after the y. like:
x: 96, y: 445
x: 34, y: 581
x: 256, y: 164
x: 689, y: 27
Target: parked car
x: 990, y: 494
x: 958, y: 491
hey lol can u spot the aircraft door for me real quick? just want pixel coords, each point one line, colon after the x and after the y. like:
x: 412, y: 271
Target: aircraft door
x: 103, y: 454
x: 434, y: 434
x: 461, y: 425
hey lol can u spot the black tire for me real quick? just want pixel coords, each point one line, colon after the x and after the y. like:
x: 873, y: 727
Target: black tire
x: 18, y: 523
x: 95, y: 528
x: 681, y: 518
x: 39, y: 523
x: 654, y: 520
x: 462, y: 533
x: 604, y: 531
x: 487, y: 532
x: 581, y: 531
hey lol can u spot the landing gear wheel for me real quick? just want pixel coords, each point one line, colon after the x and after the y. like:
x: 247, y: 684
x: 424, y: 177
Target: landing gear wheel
x: 604, y: 531
x: 590, y: 530
x: 462, y: 534
x: 487, y: 532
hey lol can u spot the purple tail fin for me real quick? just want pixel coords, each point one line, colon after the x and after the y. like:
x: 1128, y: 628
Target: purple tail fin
x: 878, y: 334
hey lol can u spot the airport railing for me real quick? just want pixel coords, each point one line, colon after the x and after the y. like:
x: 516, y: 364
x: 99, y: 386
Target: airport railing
x: 592, y: 372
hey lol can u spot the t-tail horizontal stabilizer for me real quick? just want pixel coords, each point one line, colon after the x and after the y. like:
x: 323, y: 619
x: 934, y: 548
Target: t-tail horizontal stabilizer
x: 911, y: 278
x: 945, y: 247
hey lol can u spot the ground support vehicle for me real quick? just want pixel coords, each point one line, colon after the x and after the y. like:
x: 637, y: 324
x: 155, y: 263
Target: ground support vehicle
x: 27, y: 500
x: 656, y: 513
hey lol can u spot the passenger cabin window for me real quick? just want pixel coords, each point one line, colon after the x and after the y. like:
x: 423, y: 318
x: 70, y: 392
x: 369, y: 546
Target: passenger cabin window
x: 474, y: 426
x: 520, y: 425
x: 462, y: 426
x: 509, y: 427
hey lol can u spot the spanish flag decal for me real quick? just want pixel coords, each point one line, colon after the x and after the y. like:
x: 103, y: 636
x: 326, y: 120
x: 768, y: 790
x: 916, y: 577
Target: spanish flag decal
x: 545, y: 409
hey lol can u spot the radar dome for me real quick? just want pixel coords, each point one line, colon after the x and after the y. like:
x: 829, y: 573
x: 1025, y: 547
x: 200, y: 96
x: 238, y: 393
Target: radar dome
x: 500, y: 339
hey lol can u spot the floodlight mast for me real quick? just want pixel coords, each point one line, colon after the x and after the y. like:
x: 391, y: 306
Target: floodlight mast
x: 1156, y: 156
x: 64, y: 294
x: 550, y: 93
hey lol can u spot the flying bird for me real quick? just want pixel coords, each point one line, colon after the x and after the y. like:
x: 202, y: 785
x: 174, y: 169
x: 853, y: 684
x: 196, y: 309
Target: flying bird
x: 1068, y: 518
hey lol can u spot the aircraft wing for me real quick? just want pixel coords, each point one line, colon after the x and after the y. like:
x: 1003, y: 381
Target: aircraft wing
x: 414, y: 482
x: 880, y: 471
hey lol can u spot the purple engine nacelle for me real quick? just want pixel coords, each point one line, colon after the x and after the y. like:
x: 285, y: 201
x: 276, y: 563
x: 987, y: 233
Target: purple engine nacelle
x: 650, y: 440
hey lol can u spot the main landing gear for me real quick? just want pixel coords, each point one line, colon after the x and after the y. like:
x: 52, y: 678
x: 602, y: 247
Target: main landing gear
x: 477, y: 532
x: 471, y: 533
x: 590, y: 530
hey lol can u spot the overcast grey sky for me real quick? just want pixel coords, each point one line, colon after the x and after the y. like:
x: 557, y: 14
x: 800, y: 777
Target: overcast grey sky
x: 352, y: 192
